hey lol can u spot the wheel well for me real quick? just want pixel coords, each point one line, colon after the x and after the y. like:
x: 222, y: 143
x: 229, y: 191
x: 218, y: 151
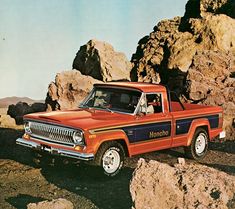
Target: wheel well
x: 121, y: 142
x: 205, y: 128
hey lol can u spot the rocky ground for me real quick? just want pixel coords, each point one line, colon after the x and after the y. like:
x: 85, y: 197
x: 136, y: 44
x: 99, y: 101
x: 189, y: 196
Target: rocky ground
x: 21, y: 182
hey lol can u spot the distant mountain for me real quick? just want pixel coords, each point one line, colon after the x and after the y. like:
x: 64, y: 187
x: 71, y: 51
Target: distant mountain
x: 5, y: 102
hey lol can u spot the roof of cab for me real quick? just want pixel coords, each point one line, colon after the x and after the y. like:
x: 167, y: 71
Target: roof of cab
x: 145, y: 87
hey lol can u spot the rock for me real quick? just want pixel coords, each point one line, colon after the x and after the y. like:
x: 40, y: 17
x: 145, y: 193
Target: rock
x: 99, y: 60
x: 7, y: 122
x: 60, y: 203
x: 176, y: 52
x: 68, y: 90
x: 200, y: 8
x: 37, y: 107
x: 22, y: 108
x: 172, y: 45
x: 158, y: 185
x: 209, y: 82
x: 181, y: 161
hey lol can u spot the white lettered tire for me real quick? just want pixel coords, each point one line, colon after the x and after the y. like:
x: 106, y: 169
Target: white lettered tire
x: 110, y: 158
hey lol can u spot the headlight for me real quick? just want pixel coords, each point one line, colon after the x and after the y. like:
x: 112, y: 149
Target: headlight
x: 27, y: 127
x: 78, y: 137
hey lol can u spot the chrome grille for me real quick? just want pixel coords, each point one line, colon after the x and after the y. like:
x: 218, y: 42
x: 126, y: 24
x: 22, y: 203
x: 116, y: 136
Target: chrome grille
x: 52, y: 133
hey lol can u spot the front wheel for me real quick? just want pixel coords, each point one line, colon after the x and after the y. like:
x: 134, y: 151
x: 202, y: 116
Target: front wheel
x: 199, y: 145
x: 110, y: 158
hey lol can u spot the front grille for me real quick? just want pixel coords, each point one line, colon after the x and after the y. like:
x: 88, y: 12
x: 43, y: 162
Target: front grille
x: 53, y: 133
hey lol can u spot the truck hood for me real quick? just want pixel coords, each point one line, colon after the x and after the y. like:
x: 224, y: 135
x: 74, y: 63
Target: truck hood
x: 82, y: 118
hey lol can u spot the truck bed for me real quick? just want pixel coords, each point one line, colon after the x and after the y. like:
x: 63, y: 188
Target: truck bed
x: 176, y: 106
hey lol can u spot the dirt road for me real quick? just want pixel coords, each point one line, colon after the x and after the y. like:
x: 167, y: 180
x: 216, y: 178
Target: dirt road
x: 21, y: 182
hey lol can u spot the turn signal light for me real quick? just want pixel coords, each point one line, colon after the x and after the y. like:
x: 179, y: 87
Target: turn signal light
x: 26, y: 136
x: 78, y: 148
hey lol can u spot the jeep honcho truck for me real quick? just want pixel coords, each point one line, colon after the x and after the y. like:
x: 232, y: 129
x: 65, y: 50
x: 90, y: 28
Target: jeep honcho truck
x: 123, y: 119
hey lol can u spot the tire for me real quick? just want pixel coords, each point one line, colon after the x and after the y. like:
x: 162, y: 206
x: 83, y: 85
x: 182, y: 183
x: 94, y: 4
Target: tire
x: 110, y: 158
x: 199, y: 145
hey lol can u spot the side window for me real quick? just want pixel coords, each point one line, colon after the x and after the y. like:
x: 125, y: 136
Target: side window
x: 151, y: 103
x: 154, y: 103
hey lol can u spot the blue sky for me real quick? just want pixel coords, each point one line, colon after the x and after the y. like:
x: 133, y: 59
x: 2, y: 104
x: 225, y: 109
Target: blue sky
x: 40, y: 38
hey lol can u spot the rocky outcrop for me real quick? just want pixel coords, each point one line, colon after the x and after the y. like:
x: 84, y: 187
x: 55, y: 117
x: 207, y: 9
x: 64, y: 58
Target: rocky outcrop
x: 173, y: 43
x: 179, y: 47
x: 68, y: 90
x: 60, y: 203
x: 99, y: 60
x: 22, y: 108
x: 209, y: 81
x: 6, y: 121
x: 200, y: 8
x: 158, y: 185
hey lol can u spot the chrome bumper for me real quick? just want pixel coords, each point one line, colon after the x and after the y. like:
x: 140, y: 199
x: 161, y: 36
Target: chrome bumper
x: 55, y: 151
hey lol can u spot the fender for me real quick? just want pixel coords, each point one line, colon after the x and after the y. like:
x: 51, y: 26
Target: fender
x: 110, y: 135
x: 195, y: 124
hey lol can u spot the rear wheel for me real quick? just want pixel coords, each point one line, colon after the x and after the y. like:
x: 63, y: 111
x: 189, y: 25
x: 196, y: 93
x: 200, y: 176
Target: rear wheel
x: 199, y: 145
x: 110, y: 158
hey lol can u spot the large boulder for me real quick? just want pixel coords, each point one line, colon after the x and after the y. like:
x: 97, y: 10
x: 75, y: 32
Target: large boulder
x: 68, y: 90
x: 157, y: 185
x: 177, y: 48
x: 209, y: 81
x: 200, y: 8
x: 99, y: 60
x: 22, y: 108
x: 173, y: 43
x: 6, y: 121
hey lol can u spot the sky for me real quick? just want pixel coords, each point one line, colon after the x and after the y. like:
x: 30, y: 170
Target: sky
x: 41, y: 38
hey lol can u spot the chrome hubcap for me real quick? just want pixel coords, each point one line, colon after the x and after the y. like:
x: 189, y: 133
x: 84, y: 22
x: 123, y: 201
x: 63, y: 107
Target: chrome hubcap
x: 111, y: 161
x: 200, y: 144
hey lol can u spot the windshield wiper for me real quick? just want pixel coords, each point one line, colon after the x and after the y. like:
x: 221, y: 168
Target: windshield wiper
x: 106, y: 108
x: 103, y: 108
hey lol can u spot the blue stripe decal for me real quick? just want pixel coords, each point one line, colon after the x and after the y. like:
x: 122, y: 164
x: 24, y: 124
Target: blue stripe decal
x: 182, y: 126
x: 147, y: 132
x: 214, y: 121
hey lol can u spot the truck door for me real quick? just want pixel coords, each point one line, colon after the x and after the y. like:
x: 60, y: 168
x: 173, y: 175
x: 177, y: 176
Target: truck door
x: 153, y: 125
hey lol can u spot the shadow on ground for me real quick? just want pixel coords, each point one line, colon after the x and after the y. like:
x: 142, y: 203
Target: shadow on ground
x: 227, y: 147
x: 21, y: 201
x: 86, y: 182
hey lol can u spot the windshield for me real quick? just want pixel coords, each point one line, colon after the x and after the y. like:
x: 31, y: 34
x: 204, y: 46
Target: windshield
x: 112, y: 99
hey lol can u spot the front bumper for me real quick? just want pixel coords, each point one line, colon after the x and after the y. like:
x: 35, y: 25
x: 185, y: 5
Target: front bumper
x: 55, y: 151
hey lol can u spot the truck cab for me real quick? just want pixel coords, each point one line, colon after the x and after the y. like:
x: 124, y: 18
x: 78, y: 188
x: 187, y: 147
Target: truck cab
x: 123, y: 119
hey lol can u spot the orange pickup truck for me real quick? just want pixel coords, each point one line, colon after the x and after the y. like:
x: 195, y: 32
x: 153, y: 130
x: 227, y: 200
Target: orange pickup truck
x: 120, y: 119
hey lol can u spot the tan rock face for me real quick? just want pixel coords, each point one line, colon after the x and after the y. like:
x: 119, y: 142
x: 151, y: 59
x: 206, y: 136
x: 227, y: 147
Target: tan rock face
x: 99, y: 60
x: 6, y: 121
x: 157, y: 185
x: 198, y: 48
x: 68, y: 90
x: 173, y: 44
x: 209, y: 81
x: 60, y: 203
x: 200, y: 8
